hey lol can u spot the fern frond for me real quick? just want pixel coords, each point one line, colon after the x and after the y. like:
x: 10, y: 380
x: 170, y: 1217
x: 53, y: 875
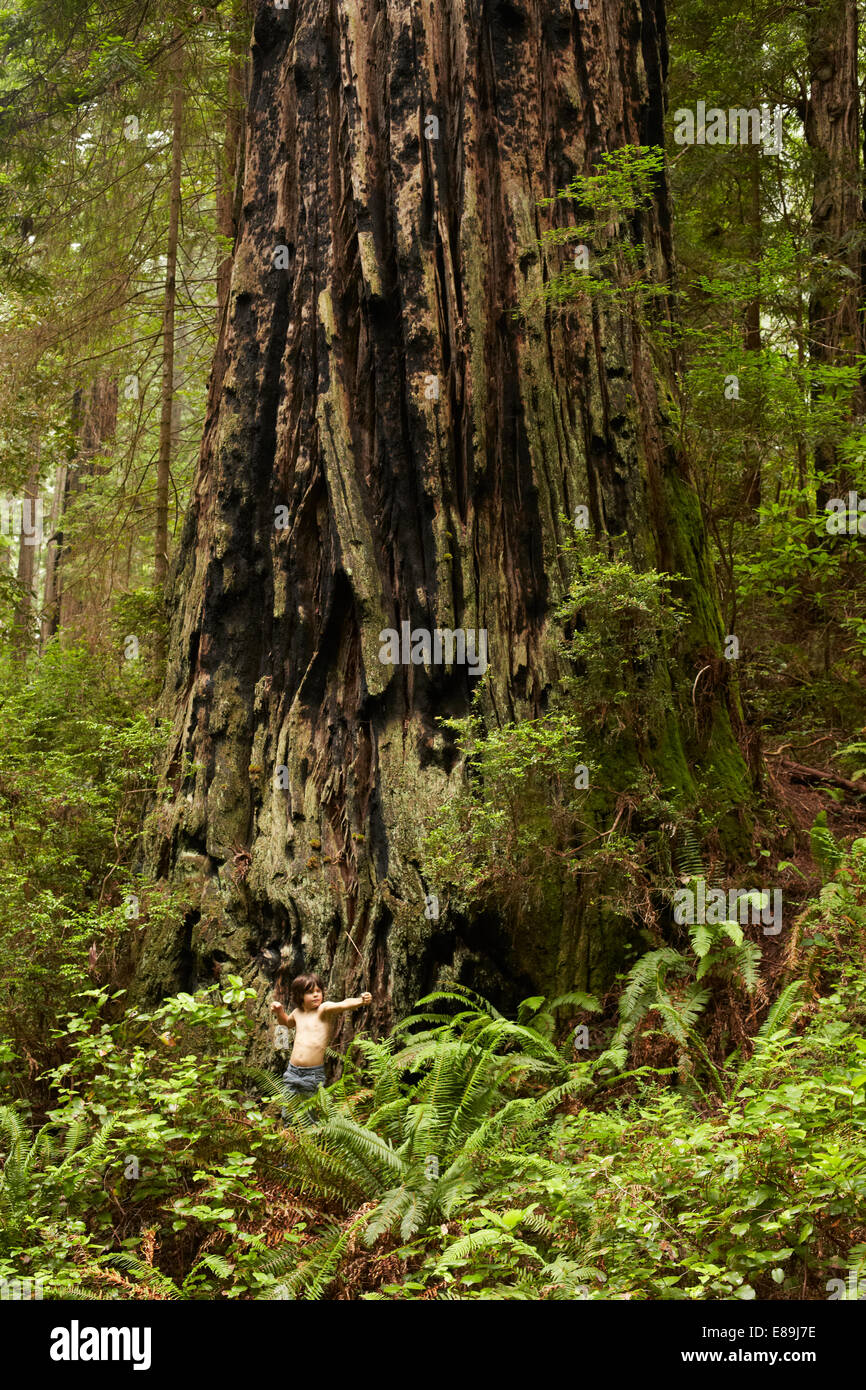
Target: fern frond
x: 78, y: 1293
x: 461, y: 994
x: 91, y: 1155
x: 145, y: 1273
x: 390, y: 1119
x: 267, y: 1083
x: 215, y: 1263
x: 391, y: 1209
x: 783, y: 1009
x: 646, y: 977
x: 316, y: 1275
x: 468, y: 1245
x: 748, y: 961
x: 689, y: 858
x: 577, y: 1000
x: 825, y: 850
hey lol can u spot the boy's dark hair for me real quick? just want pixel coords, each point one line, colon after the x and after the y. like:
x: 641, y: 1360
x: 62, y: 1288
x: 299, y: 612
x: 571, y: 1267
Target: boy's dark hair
x: 301, y: 985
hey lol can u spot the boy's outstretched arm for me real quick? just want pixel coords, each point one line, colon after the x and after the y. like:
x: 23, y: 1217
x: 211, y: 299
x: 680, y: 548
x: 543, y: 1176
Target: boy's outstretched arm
x: 346, y: 1005
x: 287, y: 1020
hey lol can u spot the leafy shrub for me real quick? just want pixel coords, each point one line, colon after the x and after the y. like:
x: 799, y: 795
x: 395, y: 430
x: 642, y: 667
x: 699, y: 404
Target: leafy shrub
x: 74, y: 770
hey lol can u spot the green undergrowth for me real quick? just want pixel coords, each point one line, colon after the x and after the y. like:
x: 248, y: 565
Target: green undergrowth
x: 582, y: 801
x: 75, y: 765
x: 577, y: 1151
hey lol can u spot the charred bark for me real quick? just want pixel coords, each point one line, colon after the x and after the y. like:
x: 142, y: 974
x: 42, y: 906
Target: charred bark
x: 372, y: 262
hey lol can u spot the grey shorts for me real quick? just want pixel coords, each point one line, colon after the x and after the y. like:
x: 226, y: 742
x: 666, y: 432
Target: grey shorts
x: 303, y: 1081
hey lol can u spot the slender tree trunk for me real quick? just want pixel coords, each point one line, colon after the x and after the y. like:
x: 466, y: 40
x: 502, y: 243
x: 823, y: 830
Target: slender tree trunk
x: 386, y: 442
x: 53, y: 553
x: 833, y: 135
x: 28, y: 550
x: 804, y: 506
x: 79, y: 579
x: 752, y: 472
x: 753, y: 308
x: 163, y: 470
x: 67, y: 603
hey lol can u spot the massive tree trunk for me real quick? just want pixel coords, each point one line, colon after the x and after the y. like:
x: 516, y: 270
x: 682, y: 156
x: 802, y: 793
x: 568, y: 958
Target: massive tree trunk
x: 370, y: 261
x: 832, y: 130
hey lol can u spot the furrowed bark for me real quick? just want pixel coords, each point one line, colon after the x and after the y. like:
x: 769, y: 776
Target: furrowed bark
x: 833, y: 135
x: 371, y: 263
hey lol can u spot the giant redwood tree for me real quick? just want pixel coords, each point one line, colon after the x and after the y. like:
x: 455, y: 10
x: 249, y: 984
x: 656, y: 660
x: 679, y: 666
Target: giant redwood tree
x: 388, y: 442
x: 834, y: 133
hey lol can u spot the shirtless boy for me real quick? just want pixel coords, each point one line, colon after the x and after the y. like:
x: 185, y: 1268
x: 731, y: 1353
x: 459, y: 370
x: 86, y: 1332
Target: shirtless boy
x: 313, y: 1021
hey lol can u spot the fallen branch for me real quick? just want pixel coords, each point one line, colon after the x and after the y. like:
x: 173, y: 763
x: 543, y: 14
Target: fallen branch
x: 799, y: 772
